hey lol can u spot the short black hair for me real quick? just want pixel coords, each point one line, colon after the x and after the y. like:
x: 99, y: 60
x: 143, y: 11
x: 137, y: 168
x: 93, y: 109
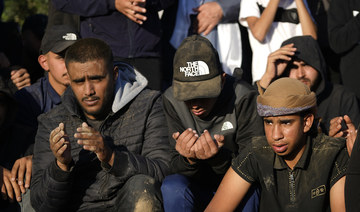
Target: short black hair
x: 89, y: 49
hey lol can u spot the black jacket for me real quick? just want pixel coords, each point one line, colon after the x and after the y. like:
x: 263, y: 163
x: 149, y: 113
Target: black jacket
x: 344, y: 39
x: 234, y: 116
x: 138, y: 134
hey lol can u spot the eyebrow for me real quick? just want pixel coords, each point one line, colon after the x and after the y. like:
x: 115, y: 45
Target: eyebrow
x: 93, y: 77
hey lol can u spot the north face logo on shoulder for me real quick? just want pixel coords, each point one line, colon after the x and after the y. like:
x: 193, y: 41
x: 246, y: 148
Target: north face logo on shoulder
x: 319, y: 191
x: 227, y: 126
x: 196, y: 68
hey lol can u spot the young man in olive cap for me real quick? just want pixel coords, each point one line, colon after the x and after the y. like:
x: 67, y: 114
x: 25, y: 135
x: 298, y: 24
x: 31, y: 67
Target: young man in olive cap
x: 297, y: 169
x: 211, y: 117
x: 34, y: 100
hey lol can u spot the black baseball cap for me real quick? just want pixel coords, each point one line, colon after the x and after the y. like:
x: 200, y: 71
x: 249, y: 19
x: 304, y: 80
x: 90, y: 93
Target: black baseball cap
x: 57, y: 38
x: 197, y: 70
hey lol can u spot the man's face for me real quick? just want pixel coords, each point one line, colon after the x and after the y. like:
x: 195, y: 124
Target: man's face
x: 93, y: 86
x: 201, y: 107
x: 305, y: 73
x: 58, y: 75
x: 286, y: 134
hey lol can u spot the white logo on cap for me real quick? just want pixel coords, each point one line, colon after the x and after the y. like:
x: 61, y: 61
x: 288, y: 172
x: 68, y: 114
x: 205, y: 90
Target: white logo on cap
x: 196, y: 68
x: 70, y: 36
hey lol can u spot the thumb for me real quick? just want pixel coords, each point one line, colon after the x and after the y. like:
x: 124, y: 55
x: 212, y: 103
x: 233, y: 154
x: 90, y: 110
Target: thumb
x: 348, y: 122
x: 175, y: 135
x: 219, y: 139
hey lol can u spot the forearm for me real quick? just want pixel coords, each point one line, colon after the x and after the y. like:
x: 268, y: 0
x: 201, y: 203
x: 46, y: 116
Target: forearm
x: 51, y: 189
x: 260, y: 27
x: 127, y: 164
x: 307, y: 24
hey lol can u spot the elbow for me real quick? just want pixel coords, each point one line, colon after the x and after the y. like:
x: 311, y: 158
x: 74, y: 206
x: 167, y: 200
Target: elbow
x: 314, y: 36
x: 259, y: 36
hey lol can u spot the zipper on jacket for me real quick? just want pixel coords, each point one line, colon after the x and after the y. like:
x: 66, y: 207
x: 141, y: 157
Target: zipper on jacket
x: 292, y: 187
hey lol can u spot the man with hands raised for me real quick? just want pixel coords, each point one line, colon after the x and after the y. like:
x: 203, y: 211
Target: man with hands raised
x: 105, y: 147
x: 211, y: 117
x: 300, y: 58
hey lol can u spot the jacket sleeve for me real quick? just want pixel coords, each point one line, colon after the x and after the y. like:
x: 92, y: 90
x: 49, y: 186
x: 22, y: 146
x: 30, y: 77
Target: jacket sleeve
x: 89, y: 8
x: 344, y: 28
x: 50, y: 186
x: 154, y: 159
x: 249, y: 122
x: 179, y: 164
x: 26, y: 123
x: 231, y: 9
x: 85, y: 7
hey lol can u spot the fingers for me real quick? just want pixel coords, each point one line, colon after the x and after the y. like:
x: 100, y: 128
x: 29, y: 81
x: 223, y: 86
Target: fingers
x: 187, y: 139
x: 209, y: 15
x: 220, y: 140
x: 284, y: 53
x: 54, y: 137
x: 335, y: 127
x: 3, y: 191
x: 133, y: 9
x: 12, y: 189
x: 185, y: 142
x: 88, y: 137
x: 349, y: 123
x: 20, y: 78
x: 175, y: 135
x: 17, y: 174
x: 205, y: 147
x: 28, y: 174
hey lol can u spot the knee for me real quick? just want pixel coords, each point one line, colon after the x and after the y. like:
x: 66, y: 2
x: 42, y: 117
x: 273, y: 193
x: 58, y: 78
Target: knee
x: 174, y: 185
x: 144, y: 192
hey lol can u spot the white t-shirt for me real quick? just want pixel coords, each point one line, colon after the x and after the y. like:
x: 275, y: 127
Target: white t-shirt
x: 278, y: 32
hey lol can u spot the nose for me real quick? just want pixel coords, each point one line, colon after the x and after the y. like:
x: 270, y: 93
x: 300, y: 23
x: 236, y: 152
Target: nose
x: 277, y: 133
x: 89, y: 89
x: 300, y: 72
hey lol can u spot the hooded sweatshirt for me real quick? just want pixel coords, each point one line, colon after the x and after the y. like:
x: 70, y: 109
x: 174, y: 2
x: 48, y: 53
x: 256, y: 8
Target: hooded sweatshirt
x: 135, y: 129
x: 332, y: 99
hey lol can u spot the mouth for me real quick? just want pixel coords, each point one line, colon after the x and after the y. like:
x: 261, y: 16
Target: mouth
x: 305, y: 81
x: 198, y: 112
x: 91, y: 101
x: 280, y: 148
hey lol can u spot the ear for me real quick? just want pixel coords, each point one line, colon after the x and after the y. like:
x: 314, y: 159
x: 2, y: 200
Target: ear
x: 42, y: 59
x: 115, y: 73
x: 308, y: 122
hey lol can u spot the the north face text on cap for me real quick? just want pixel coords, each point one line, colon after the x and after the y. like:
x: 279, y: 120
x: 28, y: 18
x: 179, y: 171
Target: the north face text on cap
x: 196, y: 68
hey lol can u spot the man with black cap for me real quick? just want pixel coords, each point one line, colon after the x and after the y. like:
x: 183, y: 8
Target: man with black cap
x: 300, y: 58
x: 35, y: 100
x: 211, y: 117
x: 297, y: 168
